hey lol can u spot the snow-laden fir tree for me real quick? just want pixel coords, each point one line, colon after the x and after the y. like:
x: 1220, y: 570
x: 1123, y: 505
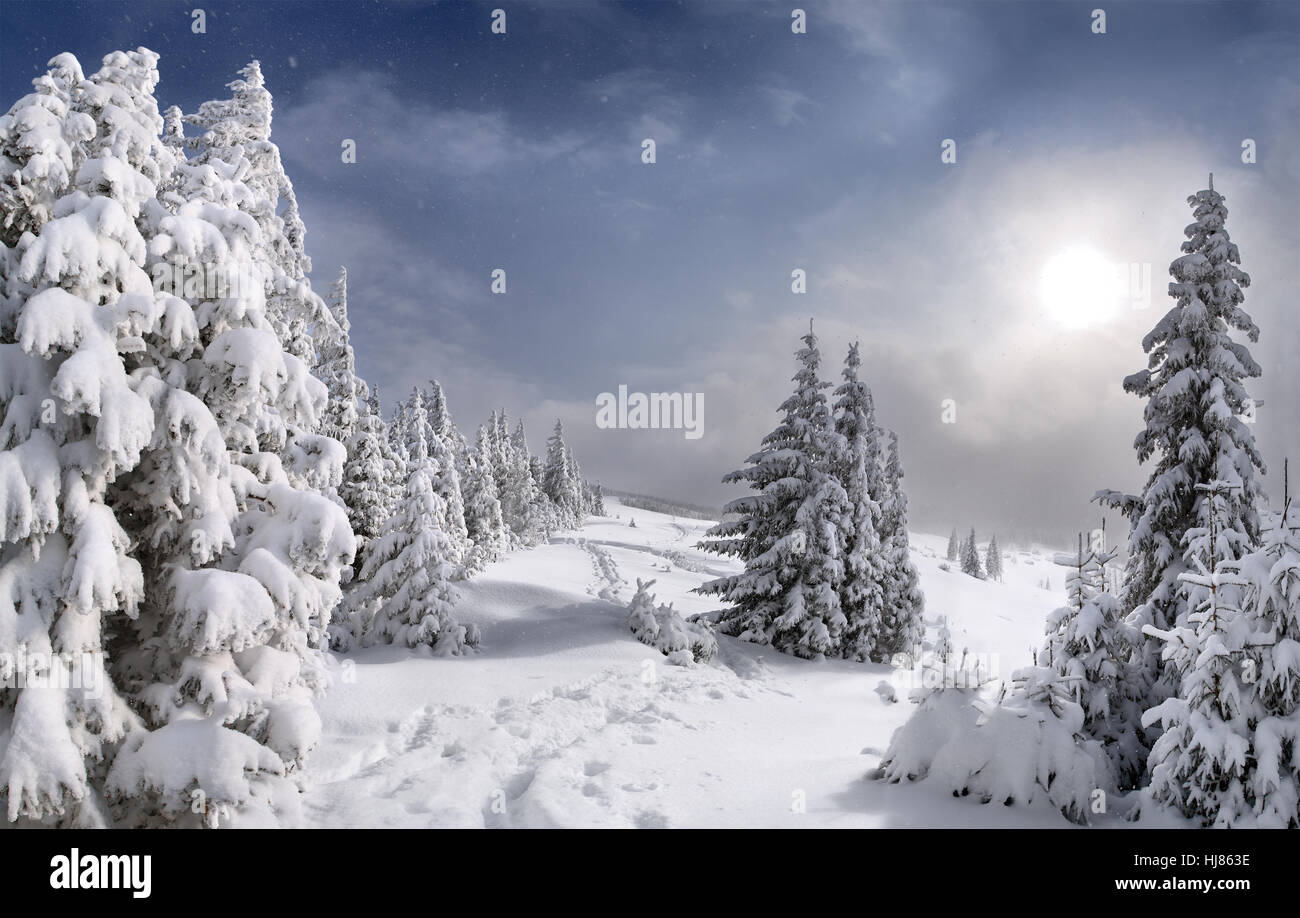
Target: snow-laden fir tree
x: 236, y: 133
x: 445, y: 428
x: 953, y: 545
x: 859, y: 469
x: 449, y: 450
x: 369, y: 494
x: 1089, y: 646
x: 789, y: 532
x: 525, y: 509
x: 560, y: 479
x: 524, y: 505
x: 240, y: 128
x: 970, y: 556
x: 417, y: 428
x: 483, y: 521
x: 576, y: 485
x: 594, y: 496
x: 405, y: 594
x: 368, y: 470
x: 1271, y: 607
x: 993, y: 560
x: 336, y: 367
x: 393, y: 452
x: 41, y: 147
x: 1195, y: 393
x: 155, y: 534
x: 242, y: 644
x: 1202, y: 761
x: 902, y: 622
x: 74, y: 276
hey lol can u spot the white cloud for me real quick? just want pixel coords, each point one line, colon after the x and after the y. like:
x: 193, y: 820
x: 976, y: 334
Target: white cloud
x: 401, y: 135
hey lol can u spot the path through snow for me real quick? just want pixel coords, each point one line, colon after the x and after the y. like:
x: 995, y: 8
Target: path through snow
x: 565, y: 720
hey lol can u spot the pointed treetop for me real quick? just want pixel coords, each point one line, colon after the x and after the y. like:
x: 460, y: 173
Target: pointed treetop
x: 1211, y: 181
x: 252, y: 74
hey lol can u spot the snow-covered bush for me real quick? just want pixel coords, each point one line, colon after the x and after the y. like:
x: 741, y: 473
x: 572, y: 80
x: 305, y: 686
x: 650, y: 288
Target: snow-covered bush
x: 1019, y: 749
x: 661, y: 627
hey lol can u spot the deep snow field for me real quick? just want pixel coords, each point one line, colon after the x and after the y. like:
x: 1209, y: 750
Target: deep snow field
x: 563, y: 719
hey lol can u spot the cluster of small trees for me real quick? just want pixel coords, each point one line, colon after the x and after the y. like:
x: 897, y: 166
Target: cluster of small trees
x: 1185, y: 686
x: 190, y: 464
x: 824, y: 538
x: 967, y: 553
x: 429, y: 509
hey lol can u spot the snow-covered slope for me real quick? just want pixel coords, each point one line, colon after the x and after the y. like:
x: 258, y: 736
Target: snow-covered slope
x: 564, y: 719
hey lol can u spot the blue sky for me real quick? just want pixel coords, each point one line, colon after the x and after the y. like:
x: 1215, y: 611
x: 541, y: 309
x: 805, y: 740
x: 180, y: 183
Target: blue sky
x: 775, y: 151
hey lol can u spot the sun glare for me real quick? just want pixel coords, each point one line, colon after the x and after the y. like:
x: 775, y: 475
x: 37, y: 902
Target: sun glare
x: 1080, y: 288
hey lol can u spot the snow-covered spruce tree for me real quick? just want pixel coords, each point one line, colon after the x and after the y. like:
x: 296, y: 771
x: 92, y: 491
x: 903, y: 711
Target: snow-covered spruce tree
x: 393, y: 454
x: 902, y: 622
x: 74, y: 282
x: 970, y: 557
x: 449, y: 448
x: 537, y: 469
x: 150, y: 434
x: 443, y: 425
x: 417, y: 427
x: 1195, y: 399
x: 236, y: 132
x: 993, y: 560
x: 1201, y: 762
x: 576, y: 488
x: 788, y: 533
x: 483, y: 521
x: 336, y: 367
x: 859, y: 469
x: 367, y: 495
x: 240, y: 127
x: 953, y: 545
x: 595, y: 500
x: 528, y: 513
x: 368, y: 470
x: 41, y: 147
x: 1089, y: 646
x: 405, y: 594
x: 559, y: 479
x: 227, y: 659
x: 1271, y: 607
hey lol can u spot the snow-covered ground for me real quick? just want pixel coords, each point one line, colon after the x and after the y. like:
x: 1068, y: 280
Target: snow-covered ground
x: 564, y: 719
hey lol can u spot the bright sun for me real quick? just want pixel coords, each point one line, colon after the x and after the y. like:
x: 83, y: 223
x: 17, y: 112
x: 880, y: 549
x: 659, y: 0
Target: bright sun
x: 1080, y: 288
